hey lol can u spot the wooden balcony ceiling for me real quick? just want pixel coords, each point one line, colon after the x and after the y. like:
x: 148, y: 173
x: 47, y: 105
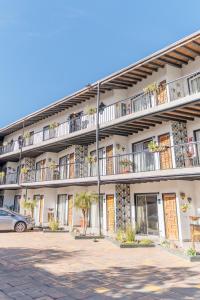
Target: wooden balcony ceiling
x: 177, y: 55
x: 181, y: 113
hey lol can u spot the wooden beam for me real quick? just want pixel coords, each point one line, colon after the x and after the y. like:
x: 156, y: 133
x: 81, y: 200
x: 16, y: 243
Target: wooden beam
x: 145, y: 124
x: 176, y: 59
x: 156, y: 64
x: 179, y: 114
x: 114, y: 86
x: 184, y: 55
x: 188, y: 113
x: 152, y: 120
x: 191, y: 50
x: 150, y: 68
x: 118, y: 82
x: 132, y: 78
x: 175, y: 115
x: 170, y: 118
x: 125, y: 80
x: 192, y: 108
x: 196, y: 43
x: 169, y: 62
x: 136, y: 74
x: 143, y: 71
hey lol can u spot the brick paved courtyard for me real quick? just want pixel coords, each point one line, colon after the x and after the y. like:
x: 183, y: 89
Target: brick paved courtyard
x: 46, y: 266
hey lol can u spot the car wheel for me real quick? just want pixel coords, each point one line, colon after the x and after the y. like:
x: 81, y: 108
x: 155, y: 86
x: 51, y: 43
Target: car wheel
x: 20, y: 227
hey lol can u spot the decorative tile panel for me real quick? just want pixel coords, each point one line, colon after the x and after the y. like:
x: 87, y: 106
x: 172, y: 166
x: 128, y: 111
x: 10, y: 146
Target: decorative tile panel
x: 81, y: 152
x: 123, y: 205
x: 180, y: 136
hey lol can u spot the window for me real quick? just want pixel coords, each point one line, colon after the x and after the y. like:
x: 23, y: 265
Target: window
x: 48, y: 133
x: 194, y: 83
x: 4, y: 213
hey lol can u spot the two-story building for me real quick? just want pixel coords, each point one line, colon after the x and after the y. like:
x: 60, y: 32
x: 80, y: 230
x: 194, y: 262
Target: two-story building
x: 146, y: 121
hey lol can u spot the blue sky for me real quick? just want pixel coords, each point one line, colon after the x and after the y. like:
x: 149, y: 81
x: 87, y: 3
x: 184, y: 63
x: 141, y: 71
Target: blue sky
x: 50, y: 48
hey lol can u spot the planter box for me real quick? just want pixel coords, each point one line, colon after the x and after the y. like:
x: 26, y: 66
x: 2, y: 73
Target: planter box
x: 88, y: 237
x: 181, y: 254
x: 133, y: 245
x: 55, y: 231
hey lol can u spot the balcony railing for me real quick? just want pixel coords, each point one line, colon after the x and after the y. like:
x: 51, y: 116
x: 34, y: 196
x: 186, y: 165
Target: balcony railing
x: 10, y: 178
x: 171, y: 91
x: 174, y: 157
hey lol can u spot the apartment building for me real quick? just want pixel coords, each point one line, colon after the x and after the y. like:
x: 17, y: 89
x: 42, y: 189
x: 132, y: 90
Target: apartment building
x: 146, y: 120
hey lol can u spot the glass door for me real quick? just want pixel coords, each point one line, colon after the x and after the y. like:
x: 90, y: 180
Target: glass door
x: 63, y: 167
x: 194, y: 84
x: 61, y: 209
x: 147, y: 214
x: 143, y: 159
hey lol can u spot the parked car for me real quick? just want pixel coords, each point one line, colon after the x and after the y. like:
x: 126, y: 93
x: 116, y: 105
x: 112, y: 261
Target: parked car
x: 10, y: 220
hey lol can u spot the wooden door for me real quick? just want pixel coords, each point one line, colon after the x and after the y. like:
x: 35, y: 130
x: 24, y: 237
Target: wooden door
x: 70, y: 210
x: 40, y: 170
x: 162, y: 93
x: 41, y: 207
x: 170, y: 214
x: 165, y: 155
x: 71, y: 165
x: 109, y: 160
x: 110, y: 212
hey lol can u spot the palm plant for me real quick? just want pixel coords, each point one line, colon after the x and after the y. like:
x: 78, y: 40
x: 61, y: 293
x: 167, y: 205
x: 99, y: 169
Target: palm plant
x: 84, y: 202
x: 30, y: 206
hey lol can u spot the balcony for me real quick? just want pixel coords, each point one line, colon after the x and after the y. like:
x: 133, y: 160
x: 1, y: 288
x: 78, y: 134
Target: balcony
x: 152, y: 97
x: 180, y: 159
x: 8, y: 178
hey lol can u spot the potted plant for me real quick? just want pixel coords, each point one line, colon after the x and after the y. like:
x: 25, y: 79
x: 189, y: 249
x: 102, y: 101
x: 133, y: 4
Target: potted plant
x: 83, y: 201
x: 154, y: 147
x: 24, y: 170
x: 151, y: 88
x: 126, y: 164
x: 54, y: 225
x: 91, y: 159
x: 2, y: 175
x: 53, y: 125
x: 91, y: 111
x: 185, y: 207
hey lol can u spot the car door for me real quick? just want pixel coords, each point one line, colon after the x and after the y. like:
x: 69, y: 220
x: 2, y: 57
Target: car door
x: 6, y: 220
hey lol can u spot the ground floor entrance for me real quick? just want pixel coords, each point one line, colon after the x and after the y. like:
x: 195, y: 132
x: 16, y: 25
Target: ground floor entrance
x: 146, y: 214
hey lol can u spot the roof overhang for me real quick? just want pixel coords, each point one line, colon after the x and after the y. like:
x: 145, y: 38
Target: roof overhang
x: 177, y: 55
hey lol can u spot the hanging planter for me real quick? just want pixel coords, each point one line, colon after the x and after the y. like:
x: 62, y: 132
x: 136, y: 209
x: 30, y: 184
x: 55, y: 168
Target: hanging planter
x: 91, y: 159
x: 2, y: 174
x: 53, y: 125
x: 24, y: 170
x: 91, y: 111
x: 185, y: 207
x: 154, y: 147
x: 151, y: 88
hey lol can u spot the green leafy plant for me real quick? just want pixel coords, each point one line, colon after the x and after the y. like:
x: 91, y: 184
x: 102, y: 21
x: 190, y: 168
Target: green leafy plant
x: 2, y: 174
x: 191, y: 252
x: 130, y: 234
x: 26, y: 135
x: 154, y: 147
x: 30, y: 206
x: 53, y: 125
x: 54, y: 225
x: 146, y: 242
x: 84, y: 202
x: 91, y: 159
x: 24, y: 170
x: 91, y: 110
x: 165, y: 244
x: 126, y: 162
x: 120, y: 235
x: 185, y: 207
x: 151, y: 88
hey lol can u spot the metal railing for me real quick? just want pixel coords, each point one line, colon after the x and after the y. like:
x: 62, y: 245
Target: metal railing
x: 168, y: 157
x: 9, y: 178
x: 171, y: 91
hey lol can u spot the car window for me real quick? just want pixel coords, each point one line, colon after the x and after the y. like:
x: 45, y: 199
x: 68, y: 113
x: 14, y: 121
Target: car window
x: 3, y: 213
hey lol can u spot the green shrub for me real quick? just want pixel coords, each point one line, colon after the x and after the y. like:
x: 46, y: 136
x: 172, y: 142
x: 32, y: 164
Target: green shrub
x: 146, y: 242
x: 130, y: 234
x: 165, y: 244
x: 54, y: 225
x: 191, y: 252
x: 120, y: 235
